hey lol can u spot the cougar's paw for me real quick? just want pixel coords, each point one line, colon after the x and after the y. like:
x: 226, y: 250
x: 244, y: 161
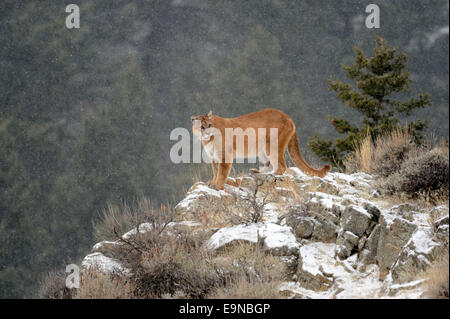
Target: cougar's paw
x: 215, y: 186
x: 233, y: 183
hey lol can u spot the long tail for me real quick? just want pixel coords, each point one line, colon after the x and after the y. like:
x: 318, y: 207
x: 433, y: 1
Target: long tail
x: 299, y: 161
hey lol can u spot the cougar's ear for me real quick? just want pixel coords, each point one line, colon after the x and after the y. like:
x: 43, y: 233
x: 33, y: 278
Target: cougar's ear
x: 210, y: 114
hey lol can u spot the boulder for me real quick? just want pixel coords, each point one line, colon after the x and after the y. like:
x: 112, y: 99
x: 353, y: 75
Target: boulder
x: 346, y: 242
x: 368, y: 254
x: 311, y: 261
x: 208, y: 206
x: 393, y: 236
x: 278, y: 240
x: 305, y: 227
x: 314, y: 224
x: 416, y: 256
x: 355, y: 219
x: 324, y: 231
x: 103, y: 264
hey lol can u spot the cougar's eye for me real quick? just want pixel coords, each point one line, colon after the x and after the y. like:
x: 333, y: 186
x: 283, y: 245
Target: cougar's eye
x: 209, y: 125
x: 203, y: 127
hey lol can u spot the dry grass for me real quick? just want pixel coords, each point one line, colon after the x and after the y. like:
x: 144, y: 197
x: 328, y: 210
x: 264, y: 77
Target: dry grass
x: 53, y: 286
x: 112, y: 217
x: 202, y: 173
x: 175, y: 265
x: 361, y: 159
x: 96, y: 285
x: 248, y: 272
x: 382, y: 157
x: 437, y: 279
x: 250, y: 261
x: 244, y: 289
x: 164, y: 261
x: 121, y: 218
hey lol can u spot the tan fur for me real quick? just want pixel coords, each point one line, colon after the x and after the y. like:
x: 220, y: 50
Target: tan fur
x: 204, y: 125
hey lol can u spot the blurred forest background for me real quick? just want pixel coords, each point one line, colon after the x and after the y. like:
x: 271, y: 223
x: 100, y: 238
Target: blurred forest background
x: 86, y: 114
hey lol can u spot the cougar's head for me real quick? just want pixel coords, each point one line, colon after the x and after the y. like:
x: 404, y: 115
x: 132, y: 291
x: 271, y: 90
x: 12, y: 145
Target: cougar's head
x: 203, y: 126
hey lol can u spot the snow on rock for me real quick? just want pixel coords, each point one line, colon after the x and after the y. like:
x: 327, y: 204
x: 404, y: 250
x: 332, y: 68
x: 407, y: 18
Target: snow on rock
x: 320, y: 275
x: 422, y: 241
x: 143, y: 228
x: 270, y: 213
x: 278, y: 239
x: 416, y: 255
x: 103, y: 264
x: 101, y: 245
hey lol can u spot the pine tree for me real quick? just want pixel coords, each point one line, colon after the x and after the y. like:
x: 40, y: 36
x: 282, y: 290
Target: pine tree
x: 379, y: 79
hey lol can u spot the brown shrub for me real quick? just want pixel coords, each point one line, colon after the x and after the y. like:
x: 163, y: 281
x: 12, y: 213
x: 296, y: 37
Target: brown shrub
x: 53, y: 286
x: 425, y: 175
x: 245, y: 260
x: 165, y: 262
x: 174, y: 267
x: 391, y: 151
x: 384, y: 157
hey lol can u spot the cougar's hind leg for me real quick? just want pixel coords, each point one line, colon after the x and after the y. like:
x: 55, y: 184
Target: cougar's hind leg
x: 281, y: 166
x: 265, y: 161
x: 277, y: 159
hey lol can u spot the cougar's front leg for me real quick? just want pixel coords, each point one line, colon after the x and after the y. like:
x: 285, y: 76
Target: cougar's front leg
x: 214, y: 169
x: 222, y: 175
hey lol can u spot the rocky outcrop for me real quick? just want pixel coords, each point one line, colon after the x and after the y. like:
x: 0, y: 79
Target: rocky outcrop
x: 336, y: 234
x: 393, y: 236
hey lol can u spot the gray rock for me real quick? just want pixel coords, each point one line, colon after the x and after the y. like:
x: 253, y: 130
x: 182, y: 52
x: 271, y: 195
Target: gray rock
x: 275, y: 239
x: 372, y: 209
x: 393, y: 237
x: 346, y: 242
x: 369, y: 229
x: 309, y: 221
x: 355, y: 219
x: 369, y: 253
x: 304, y: 228
x: 362, y: 242
x: 351, y: 238
x: 441, y: 221
x: 417, y: 255
x: 324, y: 231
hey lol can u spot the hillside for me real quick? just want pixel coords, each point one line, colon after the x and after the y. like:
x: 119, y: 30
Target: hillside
x: 336, y: 237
